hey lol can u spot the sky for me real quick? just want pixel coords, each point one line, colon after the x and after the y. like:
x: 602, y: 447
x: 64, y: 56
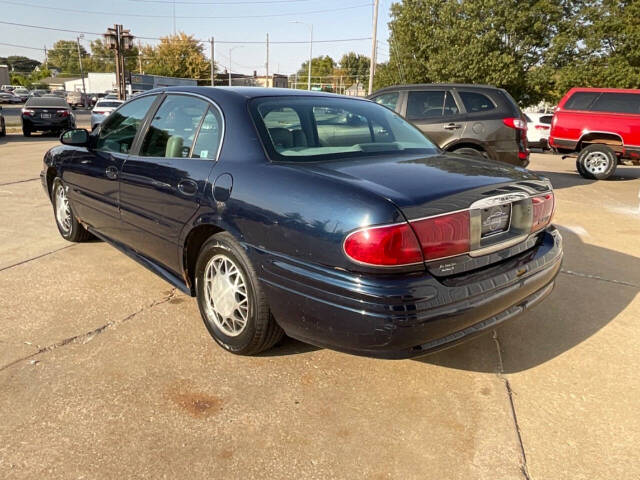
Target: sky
x: 252, y: 20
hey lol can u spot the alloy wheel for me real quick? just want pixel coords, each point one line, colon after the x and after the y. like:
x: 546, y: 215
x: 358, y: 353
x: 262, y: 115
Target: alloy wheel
x: 63, y: 210
x: 226, y: 297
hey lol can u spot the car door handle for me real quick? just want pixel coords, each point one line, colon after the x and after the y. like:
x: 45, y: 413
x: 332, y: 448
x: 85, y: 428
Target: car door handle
x: 111, y: 172
x: 452, y: 126
x: 188, y: 187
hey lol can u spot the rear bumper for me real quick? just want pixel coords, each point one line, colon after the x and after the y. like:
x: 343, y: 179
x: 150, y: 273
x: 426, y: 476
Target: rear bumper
x: 47, y: 124
x: 392, y: 316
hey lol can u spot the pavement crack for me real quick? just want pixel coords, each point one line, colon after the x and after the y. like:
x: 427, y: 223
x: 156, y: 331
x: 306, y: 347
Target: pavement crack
x: 598, y: 277
x: 35, y: 258
x: 85, y: 337
x: 18, y: 181
x: 523, y: 465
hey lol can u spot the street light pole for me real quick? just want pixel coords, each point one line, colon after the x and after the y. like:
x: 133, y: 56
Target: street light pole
x: 84, y: 90
x: 231, y: 50
x: 310, y: 25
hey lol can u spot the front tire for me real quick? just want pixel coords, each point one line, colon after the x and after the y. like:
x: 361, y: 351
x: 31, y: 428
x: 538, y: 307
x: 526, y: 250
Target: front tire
x: 597, y: 162
x: 230, y: 298
x: 67, y: 224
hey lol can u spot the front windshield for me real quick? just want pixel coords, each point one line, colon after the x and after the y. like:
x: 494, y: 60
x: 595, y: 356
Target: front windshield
x: 317, y: 128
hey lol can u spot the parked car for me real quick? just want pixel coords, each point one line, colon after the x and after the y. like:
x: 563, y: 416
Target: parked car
x: 77, y: 99
x: 38, y: 92
x: 3, y: 126
x: 602, y: 125
x: 95, y: 97
x: 327, y: 217
x: 9, y: 97
x: 46, y: 114
x: 468, y: 119
x: 102, y: 110
x: 538, y: 128
x: 21, y: 93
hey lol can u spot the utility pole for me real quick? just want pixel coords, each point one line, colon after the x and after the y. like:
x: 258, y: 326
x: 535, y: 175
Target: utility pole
x: 310, y: 58
x: 267, y: 82
x: 46, y: 58
x: 213, y: 68
x: 374, y: 44
x: 84, y: 90
x: 139, y: 57
x: 310, y: 25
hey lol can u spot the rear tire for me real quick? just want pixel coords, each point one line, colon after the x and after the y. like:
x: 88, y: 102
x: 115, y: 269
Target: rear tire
x: 230, y: 298
x: 68, y: 226
x: 597, y: 162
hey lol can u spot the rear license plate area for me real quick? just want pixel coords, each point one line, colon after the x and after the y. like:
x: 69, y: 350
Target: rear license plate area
x: 45, y: 115
x: 495, y: 220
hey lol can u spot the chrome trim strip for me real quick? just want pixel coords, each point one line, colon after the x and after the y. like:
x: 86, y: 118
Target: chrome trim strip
x: 499, y: 200
x: 498, y: 246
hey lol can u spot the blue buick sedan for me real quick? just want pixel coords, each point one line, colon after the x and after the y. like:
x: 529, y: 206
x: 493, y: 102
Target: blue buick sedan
x: 326, y: 218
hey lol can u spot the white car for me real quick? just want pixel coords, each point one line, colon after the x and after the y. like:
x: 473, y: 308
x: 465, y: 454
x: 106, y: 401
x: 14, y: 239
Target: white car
x: 9, y: 97
x: 102, y: 110
x: 538, y: 128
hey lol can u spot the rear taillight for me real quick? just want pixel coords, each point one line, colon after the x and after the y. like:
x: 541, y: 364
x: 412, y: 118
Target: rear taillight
x: 28, y: 112
x: 513, y: 122
x: 388, y: 246
x: 443, y: 236
x: 542, y: 127
x: 97, y: 112
x: 543, y: 206
x: 63, y: 113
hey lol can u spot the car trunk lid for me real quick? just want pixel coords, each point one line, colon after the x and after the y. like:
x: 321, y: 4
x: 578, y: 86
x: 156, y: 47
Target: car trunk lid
x: 492, y: 201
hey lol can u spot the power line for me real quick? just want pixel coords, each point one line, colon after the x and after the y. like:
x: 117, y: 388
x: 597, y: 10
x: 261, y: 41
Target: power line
x: 257, y: 42
x: 20, y: 46
x: 203, y: 17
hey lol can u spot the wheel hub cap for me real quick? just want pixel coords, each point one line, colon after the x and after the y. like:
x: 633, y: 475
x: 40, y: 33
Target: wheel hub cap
x: 596, y: 162
x: 63, y: 210
x: 226, y: 298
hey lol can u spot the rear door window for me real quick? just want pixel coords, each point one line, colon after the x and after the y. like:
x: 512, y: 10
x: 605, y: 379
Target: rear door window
x: 173, y: 128
x: 424, y: 104
x: 581, y: 100
x: 209, y: 136
x: 475, y: 102
x: 389, y: 100
x: 119, y: 129
x: 617, y: 103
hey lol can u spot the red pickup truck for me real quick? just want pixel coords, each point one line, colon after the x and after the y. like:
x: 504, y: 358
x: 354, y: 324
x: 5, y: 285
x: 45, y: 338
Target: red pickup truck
x: 602, y: 125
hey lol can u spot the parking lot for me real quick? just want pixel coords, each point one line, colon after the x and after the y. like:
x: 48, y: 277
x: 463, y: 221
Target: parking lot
x: 106, y: 370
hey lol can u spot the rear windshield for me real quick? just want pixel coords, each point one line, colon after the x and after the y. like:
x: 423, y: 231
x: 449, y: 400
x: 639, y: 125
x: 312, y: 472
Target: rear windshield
x: 46, y: 102
x: 546, y: 119
x: 327, y: 128
x: 108, y: 104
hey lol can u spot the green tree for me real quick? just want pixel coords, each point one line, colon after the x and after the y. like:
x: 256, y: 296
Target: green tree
x: 355, y: 66
x: 322, y: 68
x: 20, y: 64
x: 498, y: 42
x: 64, y: 55
x: 601, y: 49
x: 178, y: 55
x: 103, y: 60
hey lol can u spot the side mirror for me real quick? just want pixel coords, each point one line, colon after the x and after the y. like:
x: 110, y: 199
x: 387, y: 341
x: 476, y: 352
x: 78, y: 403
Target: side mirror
x: 78, y: 137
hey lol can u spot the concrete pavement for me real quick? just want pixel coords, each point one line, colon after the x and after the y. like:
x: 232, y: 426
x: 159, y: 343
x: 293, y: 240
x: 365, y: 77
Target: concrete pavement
x: 106, y: 371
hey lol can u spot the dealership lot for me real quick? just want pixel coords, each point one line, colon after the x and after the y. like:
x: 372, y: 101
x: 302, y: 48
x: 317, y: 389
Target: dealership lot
x: 106, y: 370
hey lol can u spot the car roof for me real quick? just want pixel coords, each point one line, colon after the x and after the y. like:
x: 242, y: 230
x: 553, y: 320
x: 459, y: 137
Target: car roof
x: 604, y: 90
x: 248, y: 92
x: 418, y: 86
